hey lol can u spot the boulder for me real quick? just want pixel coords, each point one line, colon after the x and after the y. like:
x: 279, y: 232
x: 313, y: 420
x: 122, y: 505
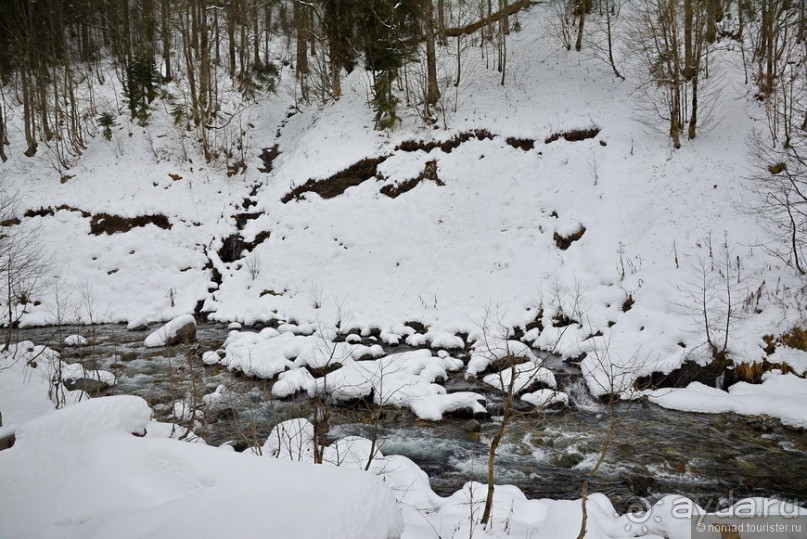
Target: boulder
x: 75, y: 340
x: 181, y: 329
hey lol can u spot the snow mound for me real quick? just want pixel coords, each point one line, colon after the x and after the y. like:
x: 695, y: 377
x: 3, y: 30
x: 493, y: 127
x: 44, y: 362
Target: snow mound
x: 75, y: 340
x: 436, y: 339
x: 294, y: 381
x: 488, y: 352
x: 394, y: 380
x: 779, y: 395
x: 76, y: 371
x: 795, y: 358
x: 434, y: 407
x: 211, y: 357
x: 520, y: 378
x: 27, y: 373
x: 79, y: 472
x: 546, y: 397
x: 292, y: 439
x: 180, y: 327
x: 217, y: 397
x: 270, y: 352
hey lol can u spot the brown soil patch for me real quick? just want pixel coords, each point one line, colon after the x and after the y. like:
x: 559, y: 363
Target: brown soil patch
x: 574, y: 135
x: 50, y: 211
x: 564, y: 242
x: 429, y: 174
x: 447, y: 145
x: 337, y: 184
x: 104, y: 223
x: 525, y: 144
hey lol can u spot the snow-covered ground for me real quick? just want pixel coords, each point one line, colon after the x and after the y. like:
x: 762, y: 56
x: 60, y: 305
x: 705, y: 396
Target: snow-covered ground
x: 84, y: 472
x: 457, y: 257
x: 468, y: 257
x: 779, y: 395
x: 101, y: 468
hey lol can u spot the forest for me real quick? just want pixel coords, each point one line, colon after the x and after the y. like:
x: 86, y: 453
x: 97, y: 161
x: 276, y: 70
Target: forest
x: 55, y: 52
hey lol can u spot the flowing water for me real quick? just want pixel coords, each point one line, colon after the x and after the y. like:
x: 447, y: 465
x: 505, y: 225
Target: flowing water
x: 710, y: 458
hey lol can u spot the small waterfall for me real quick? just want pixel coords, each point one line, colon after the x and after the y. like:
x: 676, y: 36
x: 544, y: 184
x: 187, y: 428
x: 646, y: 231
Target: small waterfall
x: 579, y: 394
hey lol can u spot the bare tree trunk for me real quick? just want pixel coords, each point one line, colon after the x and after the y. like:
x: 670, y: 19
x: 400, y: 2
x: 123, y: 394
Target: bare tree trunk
x: 243, y: 47
x: 166, y: 38
x: 441, y: 20
x: 693, y: 119
x: 582, y: 9
x: 714, y: 12
x: 459, y: 62
x: 206, y: 103
x: 256, y: 31
x: 217, y: 37
x: 507, y: 404
x: 504, y: 31
x: 3, y: 138
x: 336, y: 78
x: 432, y: 87
x: 42, y: 77
x: 603, y: 452
x: 231, y: 42
x: 794, y: 240
x: 188, y: 47
x: 689, y: 69
x: 485, y: 21
x: 28, y: 113
x: 9, y: 303
x: 300, y: 23
x: 610, y: 39
x: 267, y: 22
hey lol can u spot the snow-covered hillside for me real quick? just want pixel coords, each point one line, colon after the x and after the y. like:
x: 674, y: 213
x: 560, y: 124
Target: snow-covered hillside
x: 473, y: 239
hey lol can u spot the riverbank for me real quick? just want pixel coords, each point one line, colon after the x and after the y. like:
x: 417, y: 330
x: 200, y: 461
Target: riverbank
x: 545, y: 452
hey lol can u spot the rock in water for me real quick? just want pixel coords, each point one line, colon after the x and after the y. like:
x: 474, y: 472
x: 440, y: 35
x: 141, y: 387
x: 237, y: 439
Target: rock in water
x: 181, y: 329
x: 472, y: 426
x: 75, y: 340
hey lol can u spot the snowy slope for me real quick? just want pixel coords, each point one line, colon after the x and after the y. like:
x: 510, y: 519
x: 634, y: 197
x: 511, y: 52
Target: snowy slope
x: 79, y: 472
x: 457, y: 256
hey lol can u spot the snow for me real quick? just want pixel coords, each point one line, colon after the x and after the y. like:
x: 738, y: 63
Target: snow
x: 519, y: 378
x: 546, y: 397
x: 568, y: 227
x: 211, y: 357
x: 218, y: 396
x: 487, y: 352
x: 25, y: 375
x: 404, y: 379
x: 652, y: 215
x: 269, y: 352
x: 32, y: 382
x: 436, y: 339
x: 434, y: 407
x: 64, y: 478
x: 291, y: 440
x: 260, y: 354
x: 77, y: 371
x: 294, y: 381
x: 794, y: 358
x: 475, y: 256
x: 168, y: 332
x: 779, y: 395
x: 75, y: 340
